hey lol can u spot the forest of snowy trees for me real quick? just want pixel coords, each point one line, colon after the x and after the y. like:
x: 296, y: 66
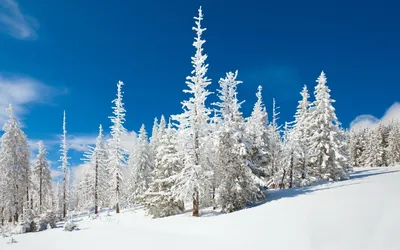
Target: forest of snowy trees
x: 207, y: 156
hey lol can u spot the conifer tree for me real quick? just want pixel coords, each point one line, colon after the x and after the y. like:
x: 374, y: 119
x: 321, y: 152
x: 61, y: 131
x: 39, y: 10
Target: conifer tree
x: 97, y: 182
x: 160, y: 200
x: 327, y: 158
x: 14, y: 167
x: 141, y: 162
x: 257, y: 134
x: 42, y: 179
x: 192, y: 124
x: 117, y: 154
x: 64, y: 168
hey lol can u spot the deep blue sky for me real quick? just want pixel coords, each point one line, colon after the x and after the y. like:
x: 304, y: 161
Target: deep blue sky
x: 87, y: 46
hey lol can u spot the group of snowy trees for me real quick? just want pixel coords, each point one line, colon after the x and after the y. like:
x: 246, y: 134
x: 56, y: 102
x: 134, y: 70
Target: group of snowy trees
x: 378, y: 146
x: 210, y: 155
x: 23, y: 188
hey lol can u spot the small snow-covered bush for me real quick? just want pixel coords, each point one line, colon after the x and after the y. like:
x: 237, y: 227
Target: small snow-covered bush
x: 69, y: 226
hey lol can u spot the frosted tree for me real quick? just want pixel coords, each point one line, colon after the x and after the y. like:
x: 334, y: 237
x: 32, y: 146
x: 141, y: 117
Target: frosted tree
x: 237, y: 187
x: 192, y: 125
x: 157, y: 134
x: 97, y: 176
x: 374, y: 152
x: 275, y: 142
x: 394, y: 144
x: 257, y: 133
x: 117, y: 154
x: 160, y: 200
x: 357, y: 147
x: 327, y: 158
x: 141, y: 163
x: 64, y: 168
x: 302, y: 133
x: 14, y: 167
x: 384, y: 130
x: 42, y: 179
x: 287, y: 175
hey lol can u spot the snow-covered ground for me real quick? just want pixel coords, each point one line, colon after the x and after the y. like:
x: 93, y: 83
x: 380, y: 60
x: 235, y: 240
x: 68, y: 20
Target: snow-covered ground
x: 361, y: 213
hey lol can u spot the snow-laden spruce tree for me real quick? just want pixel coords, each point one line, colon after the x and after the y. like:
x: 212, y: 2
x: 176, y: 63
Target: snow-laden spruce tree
x: 301, y: 134
x: 357, y: 147
x: 192, y: 126
x: 327, y: 159
x: 275, y: 142
x: 117, y: 153
x: 157, y: 133
x: 287, y: 176
x: 257, y: 134
x: 42, y: 180
x: 160, y: 201
x: 237, y: 186
x: 374, y: 152
x: 97, y: 176
x: 64, y: 168
x: 394, y: 144
x: 141, y: 164
x: 14, y: 167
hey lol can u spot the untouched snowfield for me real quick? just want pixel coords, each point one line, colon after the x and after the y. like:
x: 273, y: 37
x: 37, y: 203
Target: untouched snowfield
x: 361, y: 213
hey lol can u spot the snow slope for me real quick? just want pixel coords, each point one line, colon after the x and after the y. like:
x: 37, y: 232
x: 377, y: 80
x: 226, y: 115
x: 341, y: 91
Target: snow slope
x: 361, y: 213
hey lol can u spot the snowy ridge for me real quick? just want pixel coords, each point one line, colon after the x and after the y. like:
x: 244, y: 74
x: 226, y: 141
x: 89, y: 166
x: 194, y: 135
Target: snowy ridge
x: 359, y: 213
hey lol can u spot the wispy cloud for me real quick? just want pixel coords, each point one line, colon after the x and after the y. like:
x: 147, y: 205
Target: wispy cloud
x: 20, y: 91
x: 15, y: 23
x: 370, y: 121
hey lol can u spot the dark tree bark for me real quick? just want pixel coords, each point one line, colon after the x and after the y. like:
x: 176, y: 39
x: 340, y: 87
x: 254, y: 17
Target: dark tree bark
x: 196, y: 203
x: 96, y: 207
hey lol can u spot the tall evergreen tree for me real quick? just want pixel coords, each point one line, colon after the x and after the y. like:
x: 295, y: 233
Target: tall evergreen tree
x: 97, y: 175
x: 192, y: 124
x: 160, y: 200
x: 257, y: 134
x: 64, y: 168
x: 327, y: 158
x: 117, y: 154
x: 14, y: 167
x: 141, y: 162
x: 302, y: 133
x: 42, y: 179
x: 237, y: 187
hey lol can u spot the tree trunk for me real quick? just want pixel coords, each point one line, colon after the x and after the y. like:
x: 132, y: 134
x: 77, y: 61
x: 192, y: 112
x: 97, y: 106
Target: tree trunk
x: 117, y: 208
x: 291, y: 171
x: 96, y: 207
x: 40, y: 191
x: 282, y: 185
x: 196, y: 203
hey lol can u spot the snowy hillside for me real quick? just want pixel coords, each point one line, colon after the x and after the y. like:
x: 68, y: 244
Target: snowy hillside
x: 361, y: 213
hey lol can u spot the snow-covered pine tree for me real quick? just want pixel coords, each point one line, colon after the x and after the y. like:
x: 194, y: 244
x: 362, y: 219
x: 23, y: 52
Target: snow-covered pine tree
x: 192, y: 126
x: 302, y: 133
x: 160, y: 200
x: 374, y: 152
x: 357, y: 147
x: 327, y: 158
x: 287, y: 175
x: 97, y: 175
x: 237, y: 186
x: 257, y: 134
x: 384, y: 130
x: 141, y: 163
x: 15, y: 169
x: 275, y: 142
x: 117, y: 154
x: 64, y: 168
x: 42, y: 180
x: 394, y: 144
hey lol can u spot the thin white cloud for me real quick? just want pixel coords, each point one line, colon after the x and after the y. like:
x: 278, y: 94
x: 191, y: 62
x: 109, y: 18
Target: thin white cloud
x: 56, y: 173
x: 370, y: 121
x: 21, y: 91
x: 15, y: 23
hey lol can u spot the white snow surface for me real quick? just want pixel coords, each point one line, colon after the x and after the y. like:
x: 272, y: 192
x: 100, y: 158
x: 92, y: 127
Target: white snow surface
x: 360, y: 213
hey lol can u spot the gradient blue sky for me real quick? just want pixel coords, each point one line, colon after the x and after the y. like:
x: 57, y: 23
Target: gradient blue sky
x: 69, y: 54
